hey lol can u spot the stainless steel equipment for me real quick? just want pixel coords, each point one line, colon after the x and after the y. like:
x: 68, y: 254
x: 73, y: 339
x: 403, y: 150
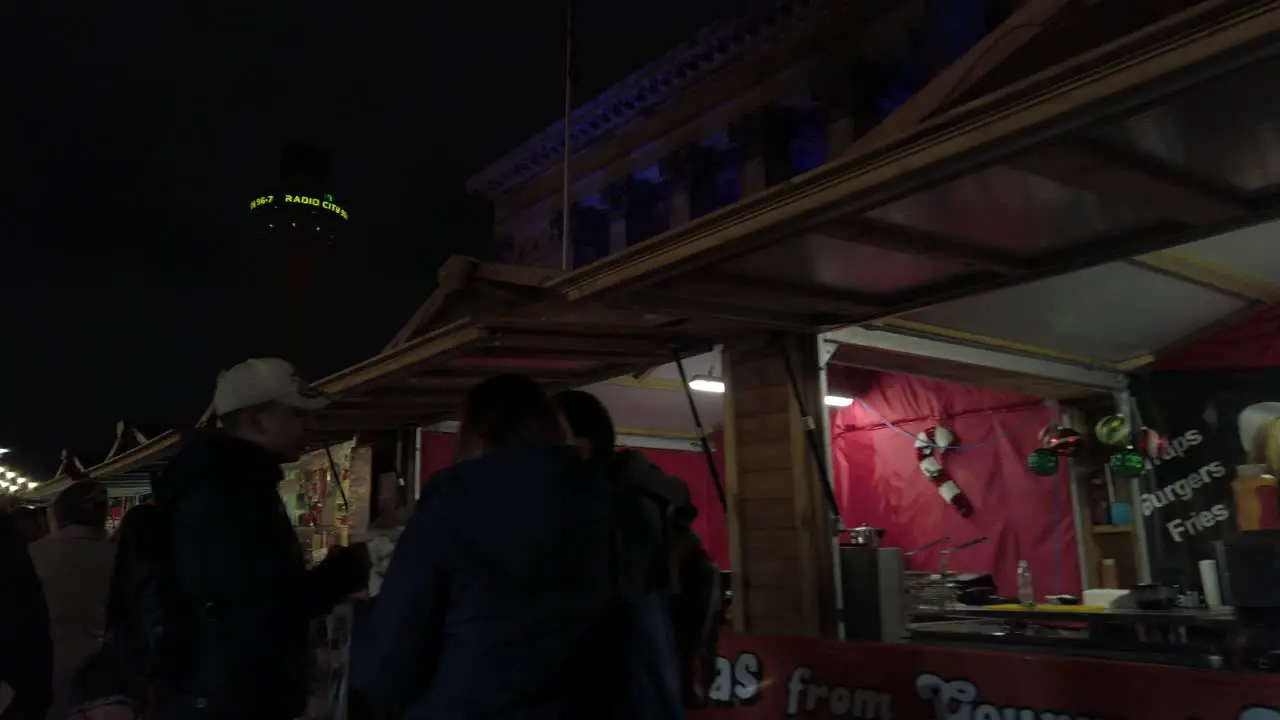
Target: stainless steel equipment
x: 871, y: 579
x: 946, y: 554
x: 928, y: 546
x: 926, y: 591
x: 863, y: 536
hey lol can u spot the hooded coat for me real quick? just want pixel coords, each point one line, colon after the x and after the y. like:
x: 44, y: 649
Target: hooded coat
x: 493, y: 602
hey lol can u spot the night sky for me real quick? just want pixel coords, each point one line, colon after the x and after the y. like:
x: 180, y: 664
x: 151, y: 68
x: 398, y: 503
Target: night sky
x: 133, y: 135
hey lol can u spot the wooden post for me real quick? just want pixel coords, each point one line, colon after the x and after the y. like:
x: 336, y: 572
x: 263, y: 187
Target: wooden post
x: 780, y: 531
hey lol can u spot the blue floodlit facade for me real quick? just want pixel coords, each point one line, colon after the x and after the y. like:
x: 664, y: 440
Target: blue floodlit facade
x: 748, y: 103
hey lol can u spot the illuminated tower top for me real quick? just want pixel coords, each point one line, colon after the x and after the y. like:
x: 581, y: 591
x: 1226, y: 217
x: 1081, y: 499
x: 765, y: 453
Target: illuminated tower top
x: 301, y: 209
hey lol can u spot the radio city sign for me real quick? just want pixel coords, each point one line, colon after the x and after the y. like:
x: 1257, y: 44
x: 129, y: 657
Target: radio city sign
x: 324, y: 203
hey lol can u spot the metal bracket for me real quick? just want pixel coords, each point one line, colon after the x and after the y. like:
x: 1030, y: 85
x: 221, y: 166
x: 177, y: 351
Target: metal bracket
x: 826, y: 350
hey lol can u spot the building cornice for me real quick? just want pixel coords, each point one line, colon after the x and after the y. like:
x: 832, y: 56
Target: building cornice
x: 634, y: 97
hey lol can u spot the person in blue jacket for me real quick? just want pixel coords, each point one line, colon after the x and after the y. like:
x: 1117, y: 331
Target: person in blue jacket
x: 496, y: 602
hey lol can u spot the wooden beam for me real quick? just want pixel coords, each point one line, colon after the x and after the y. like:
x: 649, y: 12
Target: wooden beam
x: 330, y: 421
x: 1183, y: 265
x: 407, y: 359
x: 658, y: 384
x: 460, y: 275
x: 409, y: 402
x: 992, y: 343
x: 579, y: 342
x: 913, y: 241
x: 452, y: 277
x: 1022, y: 27
x: 780, y: 296
x: 1123, y: 175
x: 720, y: 311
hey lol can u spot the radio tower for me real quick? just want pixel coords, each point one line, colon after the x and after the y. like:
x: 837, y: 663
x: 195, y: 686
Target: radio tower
x: 301, y: 218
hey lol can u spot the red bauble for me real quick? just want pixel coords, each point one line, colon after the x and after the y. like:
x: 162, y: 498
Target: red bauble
x: 1064, y: 441
x: 1151, y: 443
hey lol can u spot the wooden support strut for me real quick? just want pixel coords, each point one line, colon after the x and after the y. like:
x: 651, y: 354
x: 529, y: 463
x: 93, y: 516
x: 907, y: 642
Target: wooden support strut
x: 1022, y: 27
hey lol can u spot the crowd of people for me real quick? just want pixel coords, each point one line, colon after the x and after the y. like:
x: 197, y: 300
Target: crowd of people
x: 544, y: 575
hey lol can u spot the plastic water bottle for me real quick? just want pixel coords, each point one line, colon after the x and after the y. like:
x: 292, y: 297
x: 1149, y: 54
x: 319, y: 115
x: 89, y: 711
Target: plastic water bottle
x: 1026, y: 591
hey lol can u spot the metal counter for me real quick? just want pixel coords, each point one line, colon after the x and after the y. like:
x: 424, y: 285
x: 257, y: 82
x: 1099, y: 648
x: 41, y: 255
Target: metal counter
x: 1196, y: 638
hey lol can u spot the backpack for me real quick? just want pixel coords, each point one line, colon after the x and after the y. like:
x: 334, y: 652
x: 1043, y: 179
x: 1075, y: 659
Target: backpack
x: 676, y: 607
x: 697, y: 610
x: 147, y: 641
x: 639, y: 619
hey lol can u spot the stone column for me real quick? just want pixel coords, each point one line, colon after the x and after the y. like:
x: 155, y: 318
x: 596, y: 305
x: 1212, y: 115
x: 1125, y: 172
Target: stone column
x: 779, y: 126
x: 780, y: 531
x: 551, y: 255
x: 616, y: 198
x: 676, y: 172
x: 832, y: 88
x: 747, y: 136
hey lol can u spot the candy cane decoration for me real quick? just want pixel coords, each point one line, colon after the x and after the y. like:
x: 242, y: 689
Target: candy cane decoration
x: 930, y: 446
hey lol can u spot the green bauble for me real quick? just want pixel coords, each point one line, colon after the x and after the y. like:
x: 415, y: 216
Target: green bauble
x: 1127, y: 463
x: 1113, y: 430
x: 1043, y: 462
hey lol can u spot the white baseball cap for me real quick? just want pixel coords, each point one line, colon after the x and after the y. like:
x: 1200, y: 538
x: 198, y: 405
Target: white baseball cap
x: 1252, y: 418
x: 262, y: 380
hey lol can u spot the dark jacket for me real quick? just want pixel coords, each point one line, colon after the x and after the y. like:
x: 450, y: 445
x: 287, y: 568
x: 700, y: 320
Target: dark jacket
x: 240, y: 565
x: 495, y: 595
x: 26, y: 651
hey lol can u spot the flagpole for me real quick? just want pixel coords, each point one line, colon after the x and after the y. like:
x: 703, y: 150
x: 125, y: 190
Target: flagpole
x: 568, y: 112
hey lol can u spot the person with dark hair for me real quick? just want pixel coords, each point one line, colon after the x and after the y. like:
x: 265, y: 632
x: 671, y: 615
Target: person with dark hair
x: 74, y: 565
x: 661, y: 558
x: 26, y: 653
x: 29, y: 523
x: 236, y: 596
x: 495, y: 598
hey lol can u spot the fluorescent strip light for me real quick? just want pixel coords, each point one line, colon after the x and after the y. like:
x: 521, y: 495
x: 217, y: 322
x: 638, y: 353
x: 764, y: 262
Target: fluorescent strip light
x: 837, y: 401
x: 707, y: 384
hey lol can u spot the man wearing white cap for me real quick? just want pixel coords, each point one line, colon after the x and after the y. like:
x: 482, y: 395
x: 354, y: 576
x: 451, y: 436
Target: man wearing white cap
x: 246, y: 651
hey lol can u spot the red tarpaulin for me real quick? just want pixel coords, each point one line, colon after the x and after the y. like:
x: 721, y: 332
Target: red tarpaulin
x: 438, y: 449
x: 1251, y: 343
x: 879, y: 482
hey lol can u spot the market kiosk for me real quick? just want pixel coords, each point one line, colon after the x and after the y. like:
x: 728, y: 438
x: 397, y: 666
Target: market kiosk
x: 1097, y: 165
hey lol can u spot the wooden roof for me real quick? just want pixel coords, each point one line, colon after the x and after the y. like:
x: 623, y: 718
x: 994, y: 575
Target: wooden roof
x: 483, y: 319
x: 1088, y: 161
